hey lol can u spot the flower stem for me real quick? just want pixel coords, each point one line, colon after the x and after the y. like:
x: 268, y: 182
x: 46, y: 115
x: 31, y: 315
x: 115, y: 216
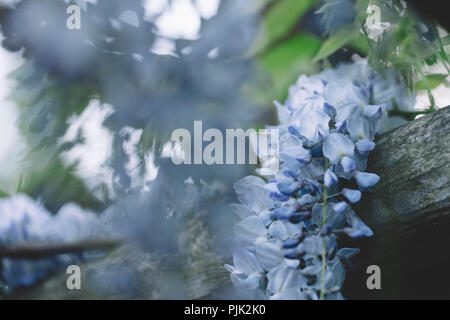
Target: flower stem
x: 324, y: 244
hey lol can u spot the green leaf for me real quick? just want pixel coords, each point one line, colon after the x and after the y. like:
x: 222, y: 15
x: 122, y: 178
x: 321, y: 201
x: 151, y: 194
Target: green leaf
x: 299, y: 48
x: 335, y: 42
x: 287, y: 61
x: 20, y: 184
x: 445, y: 40
x: 282, y: 16
x: 3, y: 194
x: 431, y: 59
x: 361, y: 44
x: 433, y: 80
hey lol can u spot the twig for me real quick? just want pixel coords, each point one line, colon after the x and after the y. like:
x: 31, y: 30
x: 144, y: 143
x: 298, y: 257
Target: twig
x: 40, y: 251
x: 408, y: 115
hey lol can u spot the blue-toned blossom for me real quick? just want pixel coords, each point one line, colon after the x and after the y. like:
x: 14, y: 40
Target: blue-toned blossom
x: 366, y: 180
x: 340, y: 207
x: 330, y: 178
x: 351, y: 195
x: 24, y: 221
x: 337, y: 146
x: 357, y: 227
x: 327, y: 127
x: 282, y: 213
x: 365, y: 146
x: 348, y: 164
x: 288, y: 187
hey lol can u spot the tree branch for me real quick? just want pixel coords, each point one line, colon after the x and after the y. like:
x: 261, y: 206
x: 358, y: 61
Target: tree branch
x: 409, y: 211
x: 40, y: 251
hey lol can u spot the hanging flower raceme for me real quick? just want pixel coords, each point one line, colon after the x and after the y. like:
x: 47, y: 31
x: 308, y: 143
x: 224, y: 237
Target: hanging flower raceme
x: 291, y: 223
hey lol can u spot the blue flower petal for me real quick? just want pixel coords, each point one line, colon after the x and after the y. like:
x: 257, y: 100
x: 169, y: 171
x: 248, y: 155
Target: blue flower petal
x: 330, y: 178
x: 340, y: 207
x: 336, y: 146
x: 329, y: 109
x: 316, y: 152
x: 348, y: 164
x: 352, y: 195
x: 282, y: 213
x: 357, y: 228
x: 290, y: 174
x: 294, y: 131
x: 374, y: 111
x: 278, y: 197
x: 290, y: 243
x: 298, y: 217
x: 366, y: 180
x: 365, y: 146
x: 288, y: 187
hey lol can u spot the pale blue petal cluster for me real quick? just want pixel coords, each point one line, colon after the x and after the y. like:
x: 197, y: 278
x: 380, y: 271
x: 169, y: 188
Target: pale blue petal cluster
x: 327, y: 127
x: 24, y: 221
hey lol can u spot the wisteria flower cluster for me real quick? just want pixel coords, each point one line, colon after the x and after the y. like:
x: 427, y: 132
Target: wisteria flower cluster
x: 290, y: 224
x: 24, y: 221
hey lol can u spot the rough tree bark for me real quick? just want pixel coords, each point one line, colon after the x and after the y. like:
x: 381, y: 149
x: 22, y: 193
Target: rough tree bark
x: 409, y: 211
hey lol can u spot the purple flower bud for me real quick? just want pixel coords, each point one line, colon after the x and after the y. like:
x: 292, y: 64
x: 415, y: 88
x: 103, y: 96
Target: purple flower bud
x: 291, y: 255
x: 316, y: 187
x: 332, y: 252
x: 326, y: 230
x: 290, y: 174
x: 288, y: 187
x: 341, y: 126
x: 294, y: 131
x: 290, y: 243
x: 353, y: 233
x: 304, y: 159
x: 340, y: 207
x: 316, y: 152
x: 278, y: 197
x: 282, y: 213
x: 330, y: 178
x: 357, y: 227
x: 329, y: 109
x: 366, y: 180
x: 365, y: 146
x: 298, y: 217
x: 373, y: 111
x: 352, y: 195
x: 348, y: 164
x: 321, y: 133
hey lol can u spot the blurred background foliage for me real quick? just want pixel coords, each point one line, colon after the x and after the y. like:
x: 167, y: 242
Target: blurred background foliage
x: 244, y: 56
x: 111, y: 62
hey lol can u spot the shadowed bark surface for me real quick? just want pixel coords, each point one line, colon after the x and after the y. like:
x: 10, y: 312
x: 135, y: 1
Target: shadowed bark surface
x: 409, y: 211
